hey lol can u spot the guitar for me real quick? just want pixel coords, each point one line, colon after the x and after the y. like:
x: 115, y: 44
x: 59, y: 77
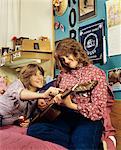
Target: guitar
x: 50, y: 113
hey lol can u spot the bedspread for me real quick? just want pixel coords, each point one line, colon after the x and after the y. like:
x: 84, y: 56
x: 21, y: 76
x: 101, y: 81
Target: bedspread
x: 15, y: 138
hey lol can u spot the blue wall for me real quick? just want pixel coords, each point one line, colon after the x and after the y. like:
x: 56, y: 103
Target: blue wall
x: 112, y: 62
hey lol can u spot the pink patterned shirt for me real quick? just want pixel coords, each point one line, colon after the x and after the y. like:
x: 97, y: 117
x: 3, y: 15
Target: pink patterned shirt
x: 101, y: 97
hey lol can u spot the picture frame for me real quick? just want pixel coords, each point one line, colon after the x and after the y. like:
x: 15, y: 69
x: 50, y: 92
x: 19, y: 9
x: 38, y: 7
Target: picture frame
x: 36, y: 46
x: 114, y: 78
x: 4, y: 51
x: 87, y: 9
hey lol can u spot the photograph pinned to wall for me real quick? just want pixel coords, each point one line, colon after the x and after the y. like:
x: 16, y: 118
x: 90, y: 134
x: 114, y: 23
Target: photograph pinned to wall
x: 87, y: 9
x: 114, y: 78
x: 92, y: 38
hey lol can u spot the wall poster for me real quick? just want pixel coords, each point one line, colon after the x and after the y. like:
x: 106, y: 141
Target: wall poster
x: 92, y: 38
x: 113, y: 9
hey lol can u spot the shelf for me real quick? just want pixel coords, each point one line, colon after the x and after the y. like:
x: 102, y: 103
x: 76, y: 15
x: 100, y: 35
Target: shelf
x: 31, y: 54
x: 21, y: 57
x: 22, y: 54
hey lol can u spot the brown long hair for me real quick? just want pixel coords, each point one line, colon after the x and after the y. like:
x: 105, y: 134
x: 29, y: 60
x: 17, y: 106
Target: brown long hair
x: 70, y: 46
x: 27, y: 71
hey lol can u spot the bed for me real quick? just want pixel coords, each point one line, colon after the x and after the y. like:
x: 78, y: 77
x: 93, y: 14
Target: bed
x: 15, y: 138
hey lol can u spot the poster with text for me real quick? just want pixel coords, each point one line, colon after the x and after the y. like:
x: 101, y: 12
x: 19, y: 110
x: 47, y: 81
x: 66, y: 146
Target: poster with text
x: 92, y: 38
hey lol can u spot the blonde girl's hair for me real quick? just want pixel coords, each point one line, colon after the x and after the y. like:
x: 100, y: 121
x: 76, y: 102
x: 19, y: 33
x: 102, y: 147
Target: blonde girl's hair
x: 27, y: 71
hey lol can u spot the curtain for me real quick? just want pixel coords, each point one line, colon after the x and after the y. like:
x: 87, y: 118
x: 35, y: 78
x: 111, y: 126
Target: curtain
x: 9, y: 21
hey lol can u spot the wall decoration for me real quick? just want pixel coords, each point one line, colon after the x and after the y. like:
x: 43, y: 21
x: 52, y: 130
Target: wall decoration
x: 73, y: 15
x: 60, y: 6
x: 113, y: 9
x: 92, y: 38
x: 62, y: 28
x: 58, y: 25
x: 87, y: 9
x: 113, y: 12
x: 114, y: 78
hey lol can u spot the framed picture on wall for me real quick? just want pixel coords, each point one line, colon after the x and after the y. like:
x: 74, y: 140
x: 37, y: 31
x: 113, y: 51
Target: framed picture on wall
x: 87, y: 9
x: 114, y: 78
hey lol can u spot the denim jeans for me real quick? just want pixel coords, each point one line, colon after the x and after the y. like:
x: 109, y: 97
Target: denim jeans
x: 71, y: 130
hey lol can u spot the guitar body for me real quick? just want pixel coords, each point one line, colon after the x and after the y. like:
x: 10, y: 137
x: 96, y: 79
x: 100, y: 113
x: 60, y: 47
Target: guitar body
x: 49, y: 114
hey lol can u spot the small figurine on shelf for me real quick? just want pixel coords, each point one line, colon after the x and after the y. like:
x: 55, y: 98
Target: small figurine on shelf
x: 43, y: 38
x: 14, y: 38
x: 17, y: 42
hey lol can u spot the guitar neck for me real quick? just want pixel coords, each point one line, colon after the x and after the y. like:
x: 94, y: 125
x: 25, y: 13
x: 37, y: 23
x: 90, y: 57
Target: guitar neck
x: 81, y: 88
x: 66, y: 93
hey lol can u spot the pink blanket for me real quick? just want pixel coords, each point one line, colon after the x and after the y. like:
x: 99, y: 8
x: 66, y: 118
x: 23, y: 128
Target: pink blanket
x: 15, y: 138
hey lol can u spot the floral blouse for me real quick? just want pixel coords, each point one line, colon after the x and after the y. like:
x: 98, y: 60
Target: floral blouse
x: 101, y: 96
